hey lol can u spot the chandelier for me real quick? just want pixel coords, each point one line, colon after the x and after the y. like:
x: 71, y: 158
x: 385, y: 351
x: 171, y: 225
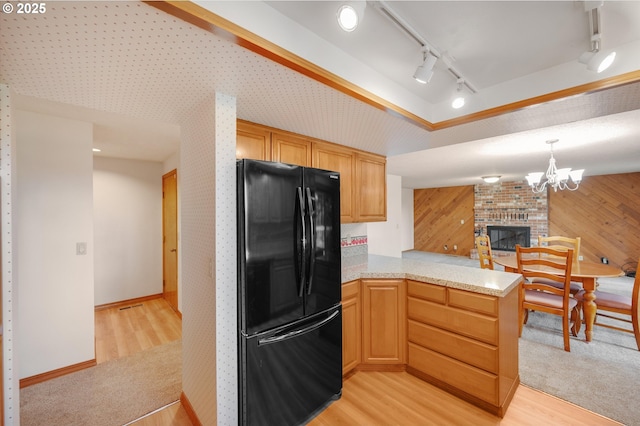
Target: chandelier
x: 556, y: 178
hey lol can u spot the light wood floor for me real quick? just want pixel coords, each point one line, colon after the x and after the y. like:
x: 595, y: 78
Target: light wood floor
x: 368, y: 398
x: 125, y: 330
x: 130, y: 328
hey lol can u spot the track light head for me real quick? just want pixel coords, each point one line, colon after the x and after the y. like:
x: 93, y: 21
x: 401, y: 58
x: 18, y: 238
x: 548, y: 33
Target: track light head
x: 424, y: 72
x: 597, y: 61
x: 458, y: 98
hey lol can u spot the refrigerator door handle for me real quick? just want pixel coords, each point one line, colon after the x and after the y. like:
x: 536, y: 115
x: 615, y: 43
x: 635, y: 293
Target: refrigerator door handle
x: 302, y: 256
x: 312, y: 230
x: 295, y: 333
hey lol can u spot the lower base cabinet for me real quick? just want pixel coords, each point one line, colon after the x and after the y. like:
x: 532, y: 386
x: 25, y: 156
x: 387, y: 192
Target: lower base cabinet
x: 384, y: 322
x: 463, y: 342
x: 351, y: 326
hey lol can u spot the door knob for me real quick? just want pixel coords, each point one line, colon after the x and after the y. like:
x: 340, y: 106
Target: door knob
x: 173, y: 249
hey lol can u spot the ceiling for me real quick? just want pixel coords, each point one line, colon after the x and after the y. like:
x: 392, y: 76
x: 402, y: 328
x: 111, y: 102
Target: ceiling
x: 136, y: 72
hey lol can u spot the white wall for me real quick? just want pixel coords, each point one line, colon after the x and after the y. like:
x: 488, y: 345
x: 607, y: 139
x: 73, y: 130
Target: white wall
x: 11, y: 394
x: 406, y: 225
x: 127, y: 203
x: 55, y: 210
x: 208, y: 241
x: 385, y: 238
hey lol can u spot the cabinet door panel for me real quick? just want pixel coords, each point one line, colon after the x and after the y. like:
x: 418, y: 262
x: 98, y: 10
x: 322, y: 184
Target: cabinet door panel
x: 253, y: 142
x: 461, y: 348
x: 291, y: 149
x: 351, y: 334
x: 331, y: 157
x: 474, y: 381
x: 384, y: 321
x: 371, y: 201
x: 470, y: 324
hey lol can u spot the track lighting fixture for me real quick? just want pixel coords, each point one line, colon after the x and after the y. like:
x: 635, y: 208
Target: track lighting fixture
x: 458, y: 99
x: 424, y: 72
x: 595, y: 59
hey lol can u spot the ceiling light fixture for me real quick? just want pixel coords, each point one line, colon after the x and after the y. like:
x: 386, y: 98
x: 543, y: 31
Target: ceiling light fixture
x: 350, y: 14
x: 458, y: 99
x: 490, y: 179
x: 595, y: 59
x: 97, y: 150
x: 556, y: 178
x: 386, y: 11
x: 424, y: 72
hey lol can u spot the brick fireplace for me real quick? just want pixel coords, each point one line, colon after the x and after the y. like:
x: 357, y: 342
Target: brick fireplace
x: 511, y: 204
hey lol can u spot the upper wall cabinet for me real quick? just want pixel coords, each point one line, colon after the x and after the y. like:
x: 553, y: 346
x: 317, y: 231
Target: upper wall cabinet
x: 371, y: 190
x: 363, y: 185
x: 253, y: 141
x: 291, y: 149
x: 342, y: 160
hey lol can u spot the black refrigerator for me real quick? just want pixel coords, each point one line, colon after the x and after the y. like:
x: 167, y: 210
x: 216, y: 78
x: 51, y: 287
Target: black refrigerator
x: 289, y: 290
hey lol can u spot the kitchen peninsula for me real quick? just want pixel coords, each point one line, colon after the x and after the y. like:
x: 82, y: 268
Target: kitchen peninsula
x: 453, y: 326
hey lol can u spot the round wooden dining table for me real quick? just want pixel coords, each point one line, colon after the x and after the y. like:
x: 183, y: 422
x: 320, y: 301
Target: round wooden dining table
x: 583, y: 272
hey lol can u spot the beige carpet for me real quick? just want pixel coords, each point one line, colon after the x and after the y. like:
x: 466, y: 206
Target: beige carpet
x: 601, y: 376
x: 112, y: 393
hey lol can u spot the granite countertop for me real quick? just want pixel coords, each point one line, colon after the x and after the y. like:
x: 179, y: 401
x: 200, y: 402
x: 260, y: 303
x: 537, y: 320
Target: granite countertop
x: 485, y: 281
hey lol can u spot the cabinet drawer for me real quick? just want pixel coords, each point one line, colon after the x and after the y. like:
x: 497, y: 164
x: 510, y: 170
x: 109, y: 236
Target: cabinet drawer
x: 350, y: 289
x: 434, y: 293
x: 469, y: 379
x: 470, y: 324
x: 482, y: 303
x: 461, y: 348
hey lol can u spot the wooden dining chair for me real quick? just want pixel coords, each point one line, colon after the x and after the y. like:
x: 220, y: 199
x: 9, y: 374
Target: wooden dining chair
x: 552, y: 266
x: 557, y: 242
x: 483, y: 245
x: 608, y: 303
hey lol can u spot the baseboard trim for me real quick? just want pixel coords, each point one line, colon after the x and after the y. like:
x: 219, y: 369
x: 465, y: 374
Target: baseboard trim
x: 128, y: 302
x: 43, y: 377
x: 189, y: 409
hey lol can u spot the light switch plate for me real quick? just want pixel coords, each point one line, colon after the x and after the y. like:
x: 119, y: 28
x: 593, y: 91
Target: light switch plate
x: 81, y: 249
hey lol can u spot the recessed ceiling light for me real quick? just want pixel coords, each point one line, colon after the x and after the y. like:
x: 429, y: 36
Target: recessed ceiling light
x: 97, y: 150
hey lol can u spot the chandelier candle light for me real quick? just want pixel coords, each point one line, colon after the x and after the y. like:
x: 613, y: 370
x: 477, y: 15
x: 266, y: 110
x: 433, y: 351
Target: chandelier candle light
x: 556, y: 178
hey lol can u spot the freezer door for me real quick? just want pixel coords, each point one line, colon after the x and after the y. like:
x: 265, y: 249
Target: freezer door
x: 289, y: 375
x: 322, y: 199
x: 269, y: 290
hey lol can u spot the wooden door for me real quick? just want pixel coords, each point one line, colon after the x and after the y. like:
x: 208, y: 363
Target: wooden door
x: 170, y: 238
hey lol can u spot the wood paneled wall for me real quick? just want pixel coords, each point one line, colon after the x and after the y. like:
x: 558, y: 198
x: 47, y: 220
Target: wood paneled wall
x: 438, y: 213
x: 604, y: 212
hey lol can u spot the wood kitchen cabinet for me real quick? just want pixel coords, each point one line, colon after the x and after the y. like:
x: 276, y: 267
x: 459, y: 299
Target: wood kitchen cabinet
x: 351, y: 326
x: 363, y: 179
x: 383, y: 323
x: 371, y: 184
x: 342, y: 160
x: 291, y: 149
x: 252, y: 141
x: 464, y: 342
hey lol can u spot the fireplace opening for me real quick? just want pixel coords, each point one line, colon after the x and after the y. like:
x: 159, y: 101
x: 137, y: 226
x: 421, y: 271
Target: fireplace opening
x: 505, y: 238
